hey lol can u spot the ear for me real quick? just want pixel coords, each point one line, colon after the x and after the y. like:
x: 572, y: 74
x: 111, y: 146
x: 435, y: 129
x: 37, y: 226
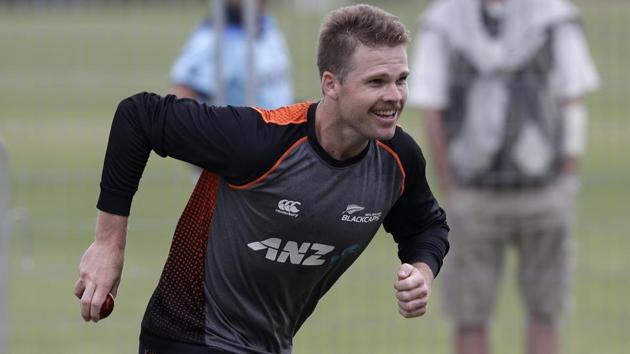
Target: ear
x: 330, y: 85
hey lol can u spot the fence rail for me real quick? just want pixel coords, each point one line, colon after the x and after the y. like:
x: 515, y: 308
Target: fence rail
x: 4, y: 248
x: 63, y: 72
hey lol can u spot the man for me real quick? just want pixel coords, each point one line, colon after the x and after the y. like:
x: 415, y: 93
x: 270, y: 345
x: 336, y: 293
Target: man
x: 288, y: 200
x: 193, y: 72
x: 501, y: 83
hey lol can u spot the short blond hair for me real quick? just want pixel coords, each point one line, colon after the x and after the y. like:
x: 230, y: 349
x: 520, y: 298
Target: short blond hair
x: 345, y: 28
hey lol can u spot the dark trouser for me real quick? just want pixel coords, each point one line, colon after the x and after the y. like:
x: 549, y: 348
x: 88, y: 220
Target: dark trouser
x: 150, y: 344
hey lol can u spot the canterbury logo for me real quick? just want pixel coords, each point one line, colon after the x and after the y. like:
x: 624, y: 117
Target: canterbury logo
x: 306, y: 253
x: 288, y: 207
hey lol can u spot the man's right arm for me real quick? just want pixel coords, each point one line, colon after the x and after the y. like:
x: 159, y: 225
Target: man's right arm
x: 183, y: 91
x: 206, y: 136
x: 436, y: 136
x: 101, y: 266
x: 428, y: 90
x: 183, y: 129
x: 192, y: 72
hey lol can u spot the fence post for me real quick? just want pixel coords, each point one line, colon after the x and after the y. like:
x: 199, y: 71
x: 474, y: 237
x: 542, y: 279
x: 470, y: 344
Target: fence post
x: 250, y: 14
x: 4, y: 248
x: 218, y: 23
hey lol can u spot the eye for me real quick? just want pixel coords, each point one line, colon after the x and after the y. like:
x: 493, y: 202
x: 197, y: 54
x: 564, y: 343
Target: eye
x: 402, y: 80
x: 375, y: 82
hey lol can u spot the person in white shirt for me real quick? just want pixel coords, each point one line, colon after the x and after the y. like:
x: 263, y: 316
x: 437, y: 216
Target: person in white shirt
x: 501, y: 84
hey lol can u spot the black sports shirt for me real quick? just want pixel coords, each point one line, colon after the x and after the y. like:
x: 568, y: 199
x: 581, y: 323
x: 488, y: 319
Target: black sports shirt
x: 273, y: 221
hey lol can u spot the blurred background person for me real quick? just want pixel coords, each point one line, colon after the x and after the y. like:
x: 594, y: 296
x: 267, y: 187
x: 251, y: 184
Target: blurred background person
x: 501, y: 83
x: 193, y: 73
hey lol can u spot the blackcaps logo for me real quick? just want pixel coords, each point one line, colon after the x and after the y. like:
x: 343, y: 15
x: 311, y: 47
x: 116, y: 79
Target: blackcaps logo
x: 347, y: 215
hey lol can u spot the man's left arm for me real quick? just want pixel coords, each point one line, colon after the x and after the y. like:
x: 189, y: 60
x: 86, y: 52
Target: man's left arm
x: 418, y: 225
x: 575, y: 117
x: 575, y: 76
x: 413, y: 288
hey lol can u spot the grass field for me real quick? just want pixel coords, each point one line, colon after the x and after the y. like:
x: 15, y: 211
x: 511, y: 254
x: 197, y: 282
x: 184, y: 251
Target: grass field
x: 62, y: 73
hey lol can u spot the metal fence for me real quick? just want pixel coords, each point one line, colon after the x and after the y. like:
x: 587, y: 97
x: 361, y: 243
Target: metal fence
x: 4, y: 248
x: 64, y: 70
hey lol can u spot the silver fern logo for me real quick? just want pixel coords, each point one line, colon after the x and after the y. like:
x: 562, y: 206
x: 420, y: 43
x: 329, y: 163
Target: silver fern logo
x: 353, y: 208
x: 347, y: 215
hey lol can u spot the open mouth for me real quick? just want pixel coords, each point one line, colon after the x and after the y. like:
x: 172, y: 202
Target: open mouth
x: 386, y: 113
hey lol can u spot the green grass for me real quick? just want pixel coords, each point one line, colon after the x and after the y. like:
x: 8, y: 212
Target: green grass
x: 61, y: 76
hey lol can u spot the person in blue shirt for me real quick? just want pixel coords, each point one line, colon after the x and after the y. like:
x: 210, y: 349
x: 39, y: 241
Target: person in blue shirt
x: 193, y: 72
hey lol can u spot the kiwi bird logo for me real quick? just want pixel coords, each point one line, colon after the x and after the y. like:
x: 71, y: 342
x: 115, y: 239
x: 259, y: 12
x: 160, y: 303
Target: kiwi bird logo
x: 353, y: 208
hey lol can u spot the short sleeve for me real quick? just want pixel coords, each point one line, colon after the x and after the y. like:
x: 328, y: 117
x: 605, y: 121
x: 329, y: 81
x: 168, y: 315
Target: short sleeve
x: 575, y: 73
x: 273, y: 65
x: 194, y: 65
x: 428, y: 82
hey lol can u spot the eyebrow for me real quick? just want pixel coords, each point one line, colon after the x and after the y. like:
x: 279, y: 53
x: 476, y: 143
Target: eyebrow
x: 384, y: 74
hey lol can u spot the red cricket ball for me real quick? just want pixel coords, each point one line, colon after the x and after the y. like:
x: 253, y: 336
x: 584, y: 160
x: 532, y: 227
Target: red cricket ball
x: 108, y: 306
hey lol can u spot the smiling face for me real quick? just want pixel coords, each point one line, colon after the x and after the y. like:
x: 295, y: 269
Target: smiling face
x: 371, y: 95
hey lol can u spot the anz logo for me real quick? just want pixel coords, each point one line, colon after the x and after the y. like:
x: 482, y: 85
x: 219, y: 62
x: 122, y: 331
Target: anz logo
x: 306, y: 253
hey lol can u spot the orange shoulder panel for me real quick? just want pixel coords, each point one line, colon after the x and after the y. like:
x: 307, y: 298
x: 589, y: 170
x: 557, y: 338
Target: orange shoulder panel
x: 398, y: 162
x: 273, y: 168
x: 292, y: 114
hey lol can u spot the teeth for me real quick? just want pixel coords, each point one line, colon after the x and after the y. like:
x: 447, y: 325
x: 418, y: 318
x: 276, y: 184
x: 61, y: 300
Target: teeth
x: 386, y: 113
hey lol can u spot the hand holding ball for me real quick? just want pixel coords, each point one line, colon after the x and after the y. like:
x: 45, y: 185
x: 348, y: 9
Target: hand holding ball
x: 108, y: 306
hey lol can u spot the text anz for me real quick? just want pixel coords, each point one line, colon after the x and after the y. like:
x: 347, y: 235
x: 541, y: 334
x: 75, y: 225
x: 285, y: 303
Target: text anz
x: 292, y: 252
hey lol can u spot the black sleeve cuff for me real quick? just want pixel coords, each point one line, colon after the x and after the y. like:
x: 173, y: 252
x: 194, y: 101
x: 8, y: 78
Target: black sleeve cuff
x: 426, y: 257
x: 113, y: 202
x: 429, y: 247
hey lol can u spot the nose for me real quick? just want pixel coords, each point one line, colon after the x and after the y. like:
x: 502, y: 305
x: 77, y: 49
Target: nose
x: 394, y: 92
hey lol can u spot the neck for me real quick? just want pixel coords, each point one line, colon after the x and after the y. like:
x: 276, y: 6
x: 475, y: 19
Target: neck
x: 493, y: 25
x: 340, y: 142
